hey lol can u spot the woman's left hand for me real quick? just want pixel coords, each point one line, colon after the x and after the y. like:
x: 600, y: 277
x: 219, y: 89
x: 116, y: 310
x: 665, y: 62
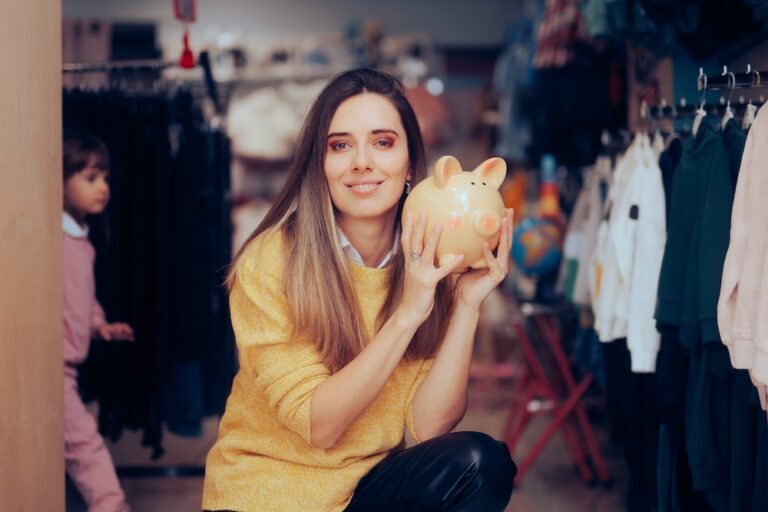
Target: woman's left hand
x: 474, y: 286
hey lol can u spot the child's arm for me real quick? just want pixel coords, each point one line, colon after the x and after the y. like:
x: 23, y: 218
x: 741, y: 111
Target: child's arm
x: 97, y: 317
x: 105, y: 331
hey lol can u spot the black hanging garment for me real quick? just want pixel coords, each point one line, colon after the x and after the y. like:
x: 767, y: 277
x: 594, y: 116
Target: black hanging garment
x: 162, y: 248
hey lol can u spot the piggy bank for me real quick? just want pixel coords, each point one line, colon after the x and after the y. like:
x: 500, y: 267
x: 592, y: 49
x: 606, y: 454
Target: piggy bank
x: 468, y: 205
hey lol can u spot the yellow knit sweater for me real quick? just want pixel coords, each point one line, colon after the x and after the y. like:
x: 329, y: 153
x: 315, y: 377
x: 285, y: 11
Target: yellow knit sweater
x: 263, y: 459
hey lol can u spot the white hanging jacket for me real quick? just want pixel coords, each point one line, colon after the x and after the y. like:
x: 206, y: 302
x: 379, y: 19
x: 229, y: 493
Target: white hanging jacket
x: 606, y: 278
x: 579, y: 244
x: 634, y: 241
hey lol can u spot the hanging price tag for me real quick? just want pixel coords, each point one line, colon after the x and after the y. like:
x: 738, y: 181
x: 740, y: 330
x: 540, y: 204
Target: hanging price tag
x: 185, y: 10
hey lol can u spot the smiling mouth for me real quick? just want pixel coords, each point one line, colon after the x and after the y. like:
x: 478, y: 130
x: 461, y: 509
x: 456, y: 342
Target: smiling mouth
x: 364, y: 187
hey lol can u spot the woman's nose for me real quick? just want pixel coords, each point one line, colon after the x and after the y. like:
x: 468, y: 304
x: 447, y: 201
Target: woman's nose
x: 362, y: 160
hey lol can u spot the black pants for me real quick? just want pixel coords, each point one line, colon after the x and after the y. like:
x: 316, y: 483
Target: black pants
x: 459, y: 472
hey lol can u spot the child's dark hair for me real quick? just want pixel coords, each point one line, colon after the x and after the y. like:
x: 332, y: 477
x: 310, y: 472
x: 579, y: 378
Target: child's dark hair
x: 83, y: 150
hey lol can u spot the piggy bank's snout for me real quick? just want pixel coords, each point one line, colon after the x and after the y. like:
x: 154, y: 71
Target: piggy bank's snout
x: 486, y: 223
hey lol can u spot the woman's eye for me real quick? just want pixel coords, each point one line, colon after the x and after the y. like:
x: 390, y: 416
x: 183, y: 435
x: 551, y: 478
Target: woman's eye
x: 384, y: 143
x: 339, y: 145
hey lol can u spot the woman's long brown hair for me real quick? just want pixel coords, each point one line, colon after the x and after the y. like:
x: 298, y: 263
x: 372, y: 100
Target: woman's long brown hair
x: 317, y: 282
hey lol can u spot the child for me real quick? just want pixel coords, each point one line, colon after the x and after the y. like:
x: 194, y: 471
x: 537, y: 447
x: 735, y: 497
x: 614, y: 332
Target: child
x: 86, y: 192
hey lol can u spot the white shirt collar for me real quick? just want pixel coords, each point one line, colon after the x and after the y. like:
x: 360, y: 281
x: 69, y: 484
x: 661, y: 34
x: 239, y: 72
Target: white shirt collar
x: 354, y: 254
x: 72, y: 227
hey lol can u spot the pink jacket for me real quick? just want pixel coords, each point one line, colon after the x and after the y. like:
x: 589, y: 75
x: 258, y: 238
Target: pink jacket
x: 82, y: 312
x: 742, y: 310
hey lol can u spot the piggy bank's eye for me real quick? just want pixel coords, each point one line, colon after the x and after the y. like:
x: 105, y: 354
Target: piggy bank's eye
x: 472, y: 182
x: 483, y: 183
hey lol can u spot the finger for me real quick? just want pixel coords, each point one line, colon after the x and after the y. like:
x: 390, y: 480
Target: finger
x: 417, y: 240
x: 429, y: 250
x: 488, y: 254
x: 450, y: 265
x: 494, y: 269
x: 106, y: 333
x: 505, y: 242
x: 503, y: 236
x: 405, y: 236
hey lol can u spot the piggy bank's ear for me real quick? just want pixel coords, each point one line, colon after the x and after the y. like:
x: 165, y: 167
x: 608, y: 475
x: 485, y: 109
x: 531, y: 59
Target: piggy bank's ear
x: 446, y: 167
x: 492, y: 171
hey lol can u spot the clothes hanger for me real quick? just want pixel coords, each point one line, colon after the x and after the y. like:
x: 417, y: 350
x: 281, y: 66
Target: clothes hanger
x: 751, y: 111
x: 672, y: 129
x: 728, y: 115
x: 659, y: 142
x: 700, y: 113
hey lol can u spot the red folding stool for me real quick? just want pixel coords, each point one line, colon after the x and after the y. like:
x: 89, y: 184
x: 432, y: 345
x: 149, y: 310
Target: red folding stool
x: 548, y: 387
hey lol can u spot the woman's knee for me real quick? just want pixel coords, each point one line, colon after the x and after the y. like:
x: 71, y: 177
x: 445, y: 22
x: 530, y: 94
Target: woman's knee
x: 482, y: 451
x: 490, y: 465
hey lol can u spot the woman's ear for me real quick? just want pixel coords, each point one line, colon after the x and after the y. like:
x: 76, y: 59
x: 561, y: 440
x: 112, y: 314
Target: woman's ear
x: 446, y: 167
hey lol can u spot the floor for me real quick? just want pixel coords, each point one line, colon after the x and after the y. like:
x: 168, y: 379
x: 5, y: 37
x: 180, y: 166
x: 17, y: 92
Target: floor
x: 552, y: 485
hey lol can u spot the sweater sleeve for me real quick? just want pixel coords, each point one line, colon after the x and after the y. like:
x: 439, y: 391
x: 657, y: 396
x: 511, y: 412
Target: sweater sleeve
x: 286, y: 370
x: 426, y: 365
x: 715, y: 222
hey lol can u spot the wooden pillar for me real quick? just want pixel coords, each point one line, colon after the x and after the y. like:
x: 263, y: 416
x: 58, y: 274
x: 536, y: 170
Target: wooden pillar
x: 31, y: 423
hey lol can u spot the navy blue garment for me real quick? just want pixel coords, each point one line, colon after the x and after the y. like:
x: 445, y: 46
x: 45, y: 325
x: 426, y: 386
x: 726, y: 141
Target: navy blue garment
x: 668, y: 161
x: 632, y: 406
x: 160, y: 262
x: 744, y: 418
x: 589, y: 354
x: 708, y: 422
x: 565, y: 122
x: 760, y: 489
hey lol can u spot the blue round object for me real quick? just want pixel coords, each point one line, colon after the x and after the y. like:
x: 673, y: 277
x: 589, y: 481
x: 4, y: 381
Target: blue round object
x: 536, y: 247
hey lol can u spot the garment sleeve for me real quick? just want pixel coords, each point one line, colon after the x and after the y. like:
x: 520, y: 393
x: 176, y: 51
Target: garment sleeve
x: 741, y: 352
x: 286, y: 370
x: 715, y: 222
x: 421, y: 374
x: 97, y: 316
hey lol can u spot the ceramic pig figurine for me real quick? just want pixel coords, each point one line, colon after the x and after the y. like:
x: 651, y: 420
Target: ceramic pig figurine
x: 467, y: 204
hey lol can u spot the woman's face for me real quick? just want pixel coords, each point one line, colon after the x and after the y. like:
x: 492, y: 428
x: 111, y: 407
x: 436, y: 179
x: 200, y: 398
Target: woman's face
x: 366, y: 161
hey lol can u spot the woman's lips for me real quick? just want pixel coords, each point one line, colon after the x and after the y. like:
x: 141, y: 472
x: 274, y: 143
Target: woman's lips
x: 365, y: 188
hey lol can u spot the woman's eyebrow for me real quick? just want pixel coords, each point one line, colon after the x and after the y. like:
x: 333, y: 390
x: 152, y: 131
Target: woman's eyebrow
x: 378, y: 131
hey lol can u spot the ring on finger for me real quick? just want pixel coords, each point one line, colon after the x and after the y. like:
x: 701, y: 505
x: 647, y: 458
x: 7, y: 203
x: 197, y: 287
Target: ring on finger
x: 415, y: 255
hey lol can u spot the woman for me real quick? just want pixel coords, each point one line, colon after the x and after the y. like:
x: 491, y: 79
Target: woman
x: 346, y: 337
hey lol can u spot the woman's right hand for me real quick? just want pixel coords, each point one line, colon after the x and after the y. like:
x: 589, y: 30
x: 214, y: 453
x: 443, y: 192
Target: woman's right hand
x: 421, y: 274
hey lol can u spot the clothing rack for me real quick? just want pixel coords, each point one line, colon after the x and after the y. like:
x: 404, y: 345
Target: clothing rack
x: 726, y: 81
x: 685, y: 110
x: 138, y: 66
x: 119, y: 65
x: 729, y: 80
